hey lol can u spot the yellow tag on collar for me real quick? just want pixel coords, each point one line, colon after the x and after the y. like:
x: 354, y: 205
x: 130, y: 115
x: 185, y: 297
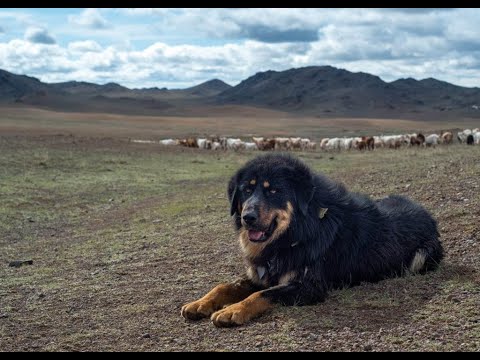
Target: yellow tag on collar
x: 322, y: 212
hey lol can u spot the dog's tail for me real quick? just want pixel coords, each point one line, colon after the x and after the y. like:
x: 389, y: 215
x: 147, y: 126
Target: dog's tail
x: 426, y: 258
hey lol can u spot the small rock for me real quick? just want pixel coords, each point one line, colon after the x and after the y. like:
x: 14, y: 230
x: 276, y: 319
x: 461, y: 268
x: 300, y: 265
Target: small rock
x: 111, y: 200
x: 452, y: 298
x: 408, y: 186
x: 146, y: 336
x: 3, y: 316
x: 368, y: 347
x: 18, y: 263
x: 41, y: 295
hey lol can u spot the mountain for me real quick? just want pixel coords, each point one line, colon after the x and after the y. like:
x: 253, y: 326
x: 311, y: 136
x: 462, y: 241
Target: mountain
x: 328, y: 90
x: 13, y: 87
x: 208, y: 88
x: 314, y: 91
x: 81, y: 87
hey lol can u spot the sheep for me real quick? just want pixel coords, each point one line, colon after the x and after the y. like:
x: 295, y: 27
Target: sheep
x: 348, y: 143
x: 462, y: 135
x: 334, y: 144
x: 260, y: 141
x: 251, y: 146
x: 432, y: 140
x: 169, y: 142
x: 378, y: 142
x: 282, y: 143
x: 323, y: 143
x: 476, y: 137
x: 296, y: 143
x: 447, y: 137
x: 144, y: 141
x: 417, y: 140
x: 370, y: 141
x: 201, y: 143
x: 231, y: 143
x: 470, y: 139
x: 304, y: 144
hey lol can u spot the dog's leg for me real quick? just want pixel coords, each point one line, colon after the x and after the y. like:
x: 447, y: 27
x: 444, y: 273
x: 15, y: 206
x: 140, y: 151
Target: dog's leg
x: 219, y: 296
x: 242, y: 312
x: 261, y: 301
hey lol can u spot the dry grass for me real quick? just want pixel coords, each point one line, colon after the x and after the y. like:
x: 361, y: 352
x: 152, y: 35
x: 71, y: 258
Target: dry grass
x: 122, y: 235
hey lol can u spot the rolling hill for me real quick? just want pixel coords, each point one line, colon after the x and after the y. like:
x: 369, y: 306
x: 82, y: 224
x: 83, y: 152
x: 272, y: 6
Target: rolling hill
x: 315, y: 91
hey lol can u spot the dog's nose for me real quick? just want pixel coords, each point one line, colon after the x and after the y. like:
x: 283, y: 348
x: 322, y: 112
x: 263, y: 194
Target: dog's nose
x: 249, y: 218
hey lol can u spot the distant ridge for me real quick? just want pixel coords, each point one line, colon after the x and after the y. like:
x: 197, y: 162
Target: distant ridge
x: 313, y: 90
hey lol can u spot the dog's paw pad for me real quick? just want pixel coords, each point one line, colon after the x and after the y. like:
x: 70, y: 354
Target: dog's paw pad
x: 230, y: 316
x: 197, y: 310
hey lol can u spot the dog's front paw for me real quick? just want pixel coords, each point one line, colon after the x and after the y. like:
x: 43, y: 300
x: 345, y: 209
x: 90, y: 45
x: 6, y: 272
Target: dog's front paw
x: 198, y: 309
x: 233, y: 315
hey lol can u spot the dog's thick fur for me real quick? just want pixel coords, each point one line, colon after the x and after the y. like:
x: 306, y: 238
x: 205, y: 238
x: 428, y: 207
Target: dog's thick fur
x: 302, y: 234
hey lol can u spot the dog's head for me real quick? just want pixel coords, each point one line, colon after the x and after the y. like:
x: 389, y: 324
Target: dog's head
x: 267, y: 193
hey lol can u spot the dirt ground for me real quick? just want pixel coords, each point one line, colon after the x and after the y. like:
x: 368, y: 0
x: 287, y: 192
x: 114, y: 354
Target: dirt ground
x: 122, y: 235
x: 238, y: 121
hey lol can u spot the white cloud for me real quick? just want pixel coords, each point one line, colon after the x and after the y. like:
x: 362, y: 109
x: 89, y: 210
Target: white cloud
x: 232, y: 44
x: 84, y: 46
x: 90, y: 18
x: 39, y: 36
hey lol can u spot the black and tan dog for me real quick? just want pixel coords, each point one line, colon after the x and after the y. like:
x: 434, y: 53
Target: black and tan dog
x: 302, y: 234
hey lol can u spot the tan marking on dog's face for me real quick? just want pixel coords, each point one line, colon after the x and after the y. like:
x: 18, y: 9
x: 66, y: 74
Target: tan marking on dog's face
x: 287, y: 278
x: 266, y: 184
x: 284, y: 217
x: 253, y: 250
x: 253, y: 182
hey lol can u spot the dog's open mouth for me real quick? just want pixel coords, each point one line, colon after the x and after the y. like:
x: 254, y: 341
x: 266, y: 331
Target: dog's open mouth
x: 261, y: 236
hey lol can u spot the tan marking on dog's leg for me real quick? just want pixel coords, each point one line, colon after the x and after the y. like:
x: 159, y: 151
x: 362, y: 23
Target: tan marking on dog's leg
x: 266, y: 184
x: 418, y: 261
x: 242, y: 312
x: 219, y: 296
x: 253, y: 182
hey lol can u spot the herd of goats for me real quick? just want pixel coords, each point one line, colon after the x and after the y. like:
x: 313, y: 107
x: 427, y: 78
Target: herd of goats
x: 467, y: 136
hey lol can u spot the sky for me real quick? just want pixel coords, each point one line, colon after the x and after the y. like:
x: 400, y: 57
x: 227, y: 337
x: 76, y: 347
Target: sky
x: 178, y: 48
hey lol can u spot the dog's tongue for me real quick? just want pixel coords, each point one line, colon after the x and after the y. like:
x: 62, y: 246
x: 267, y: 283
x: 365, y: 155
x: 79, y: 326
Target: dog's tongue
x: 255, y: 235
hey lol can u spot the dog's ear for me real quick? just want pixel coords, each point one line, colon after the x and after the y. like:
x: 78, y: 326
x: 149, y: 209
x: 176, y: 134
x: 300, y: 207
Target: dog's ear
x: 304, y: 192
x: 234, y: 202
x: 233, y: 195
